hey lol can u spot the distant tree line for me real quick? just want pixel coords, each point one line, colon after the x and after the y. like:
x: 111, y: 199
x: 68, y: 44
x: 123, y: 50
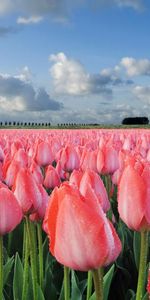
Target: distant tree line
x: 76, y: 125
x: 135, y: 121
x: 24, y: 124
x: 45, y: 124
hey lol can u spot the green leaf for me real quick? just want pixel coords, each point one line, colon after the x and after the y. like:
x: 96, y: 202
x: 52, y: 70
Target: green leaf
x: 93, y: 297
x: 130, y: 295
x: 107, y: 281
x: 136, y: 248
x: 49, y: 287
x: 40, y: 294
x: 82, y: 285
x: 75, y: 292
x: 18, y: 278
x: 30, y: 286
x: 7, y: 268
x: 61, y: 296
x: 145, y: 297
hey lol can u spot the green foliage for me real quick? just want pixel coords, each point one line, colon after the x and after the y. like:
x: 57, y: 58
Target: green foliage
x: 107, y: 281
x: 18, y: 278
x: 136, y: 248
x: 7, y: 269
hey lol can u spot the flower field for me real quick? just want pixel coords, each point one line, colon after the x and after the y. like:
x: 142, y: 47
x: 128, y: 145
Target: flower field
x: 74, y: 214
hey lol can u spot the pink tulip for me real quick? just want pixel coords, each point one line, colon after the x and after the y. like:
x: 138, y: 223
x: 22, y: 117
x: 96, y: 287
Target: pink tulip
x: 81, y: 237
x: 36, y: 172
x: 51, y: 178
x: 10, y: 211
x: 69, y: 159
x: 44, y: 155
x: 1, y: 171
x: 90, y: 180
x: 107, y: 160
x: 22, y: 157
x: 2, y: 155
x: 134, y: 197
x: 61, y: 173
x: 10, y: 171
x: 40, y: 212
x: 88, y: 160
x: 27, y: 192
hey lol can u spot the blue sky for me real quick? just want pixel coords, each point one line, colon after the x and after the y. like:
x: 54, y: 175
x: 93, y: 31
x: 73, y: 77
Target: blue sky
x: 70, y: 61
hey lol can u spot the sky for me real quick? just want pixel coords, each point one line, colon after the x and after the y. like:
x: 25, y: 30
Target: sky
x: 74, y: 61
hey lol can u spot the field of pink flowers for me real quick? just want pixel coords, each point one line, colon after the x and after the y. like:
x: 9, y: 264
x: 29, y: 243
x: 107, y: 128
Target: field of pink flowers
x: 74, y: 214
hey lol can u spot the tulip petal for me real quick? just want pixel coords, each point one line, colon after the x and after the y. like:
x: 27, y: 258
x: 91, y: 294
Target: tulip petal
x: 131, y: 198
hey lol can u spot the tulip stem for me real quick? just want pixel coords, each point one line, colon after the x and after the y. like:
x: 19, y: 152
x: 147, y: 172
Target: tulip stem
x: 41, y: 273
x: 108, y: 184
x: 26, y: 265
x: 10, y: 235
x: 142, y: 266
x: 66, y: 283
x: 1, y: 267
x: 98, y: 283
x: 89, y: 285
x: 31, y: 237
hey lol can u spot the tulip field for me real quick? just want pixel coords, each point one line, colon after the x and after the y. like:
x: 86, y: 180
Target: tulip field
x: 74, y: 214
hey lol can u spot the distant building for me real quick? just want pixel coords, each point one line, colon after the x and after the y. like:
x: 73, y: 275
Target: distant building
x: 135, y: 121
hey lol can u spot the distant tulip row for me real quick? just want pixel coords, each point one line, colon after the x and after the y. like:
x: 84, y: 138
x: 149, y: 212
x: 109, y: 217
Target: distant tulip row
x: 86, y: 192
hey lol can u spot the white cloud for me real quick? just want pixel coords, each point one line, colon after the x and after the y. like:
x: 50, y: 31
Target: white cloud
x: 18, y: 94
x: 24, y: 75
x: 30, y: 20
x: 135, y: 67
x: 70, y: 77
x: 142, y: 93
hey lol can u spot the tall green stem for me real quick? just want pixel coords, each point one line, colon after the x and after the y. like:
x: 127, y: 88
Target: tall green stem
x: 66, y: 283
x: 98, y: 283
x: 26, y: 264
x: 25, y: 232
x: 89, y: 285
x: 108, y: 184
x: 142, y: 266
x: 41, y: 274
x: 32, y: 243
x: 1, y: 267
x: 10, y: 235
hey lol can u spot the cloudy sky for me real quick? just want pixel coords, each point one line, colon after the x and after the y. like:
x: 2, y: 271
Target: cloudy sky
x: 77, y: 61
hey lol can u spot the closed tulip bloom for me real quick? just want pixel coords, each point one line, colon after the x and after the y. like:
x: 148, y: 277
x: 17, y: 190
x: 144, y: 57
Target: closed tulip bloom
x: 22, y: 157
x: 44, y: 155
x: 134, y: 197
x: 88, y: 160
x: 2, y: 155
x: 10, y: 171
x: 52, y: 178
x: 27, y: 191
x: 61, y: 173
x: 90, y: 179
x: 107, y: 160
x: 69, y: 159
x: 15, y: 146
x: 10, y: 211
x: 40, y: 212
x: 81, y: 237
x: 36, y: 172
x: 1, y: 172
